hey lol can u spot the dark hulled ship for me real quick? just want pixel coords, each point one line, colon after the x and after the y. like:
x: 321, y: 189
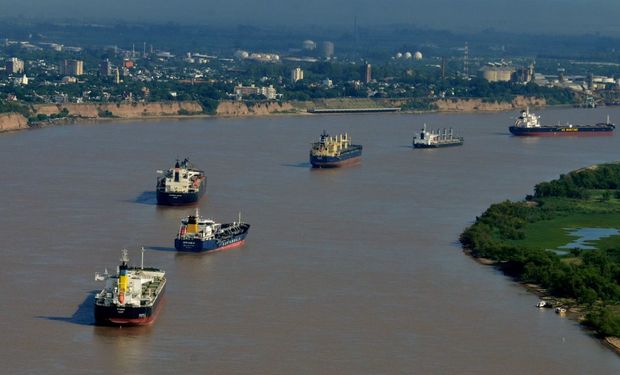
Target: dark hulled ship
x: 131, y: 297
x: 183, y: 184
x: 528, y: 124
x: 199, y: 234
x: 330, y: 152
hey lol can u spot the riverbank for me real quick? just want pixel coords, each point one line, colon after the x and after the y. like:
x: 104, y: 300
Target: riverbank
x: 537, y: 242
x: 56, y: 114
x: 574, y: 310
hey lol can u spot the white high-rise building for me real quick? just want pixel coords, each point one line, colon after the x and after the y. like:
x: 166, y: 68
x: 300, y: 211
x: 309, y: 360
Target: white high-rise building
x: 297, y: 74
x: 14, y: 65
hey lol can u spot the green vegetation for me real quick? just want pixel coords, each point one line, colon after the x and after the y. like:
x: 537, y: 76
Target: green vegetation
x: 106, y: 113
x: 6, y: 107
x: 519, y: 236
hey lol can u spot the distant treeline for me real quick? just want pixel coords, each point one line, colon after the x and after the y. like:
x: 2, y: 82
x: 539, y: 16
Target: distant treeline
x: 591, y: 277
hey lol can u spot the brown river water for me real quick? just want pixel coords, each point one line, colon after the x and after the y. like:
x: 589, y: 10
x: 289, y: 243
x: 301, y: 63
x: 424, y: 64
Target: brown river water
x: 350, y: 271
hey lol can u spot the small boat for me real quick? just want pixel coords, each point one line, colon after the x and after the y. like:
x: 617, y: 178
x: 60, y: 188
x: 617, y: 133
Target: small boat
x: 560, y: 310
x: 131, y: 297
x: 541, y: 304
x: 200, y: 234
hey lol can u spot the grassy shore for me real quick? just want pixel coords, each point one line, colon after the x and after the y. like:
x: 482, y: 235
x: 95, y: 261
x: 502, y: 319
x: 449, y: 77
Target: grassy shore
x: 527, y: 241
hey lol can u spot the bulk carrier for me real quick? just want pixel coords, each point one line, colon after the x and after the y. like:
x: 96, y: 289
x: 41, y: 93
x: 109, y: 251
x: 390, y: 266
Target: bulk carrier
x: 436, y: 138
x: 330, y: 152
x: 131, y: 297
x: 183, y: 184
x: 528, y: 124
x: 198, y: 234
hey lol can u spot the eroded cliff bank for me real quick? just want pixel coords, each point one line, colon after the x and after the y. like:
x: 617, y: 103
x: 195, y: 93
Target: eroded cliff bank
x: 120, y: 110
x: 49, y: 114
x: 12, y: 121
x: 480, y: 105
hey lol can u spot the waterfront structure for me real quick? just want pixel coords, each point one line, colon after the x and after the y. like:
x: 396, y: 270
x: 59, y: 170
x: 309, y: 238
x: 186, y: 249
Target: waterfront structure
x: 297, y: 74
x: 72, y: 67
x: 14, y: 66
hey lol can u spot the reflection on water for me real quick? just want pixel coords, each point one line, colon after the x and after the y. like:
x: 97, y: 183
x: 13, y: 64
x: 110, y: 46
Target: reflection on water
x: 128, y: 346
x: 147, y: 197
x: 587, y: 235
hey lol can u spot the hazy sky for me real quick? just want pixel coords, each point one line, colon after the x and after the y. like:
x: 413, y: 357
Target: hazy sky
x: 554, y: 16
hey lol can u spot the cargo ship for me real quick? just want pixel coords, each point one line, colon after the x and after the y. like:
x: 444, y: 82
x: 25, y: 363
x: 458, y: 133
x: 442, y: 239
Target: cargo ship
x: 181, y: 185
x: 331, y: 152
x: 132, y: 297
x: 436, y: 138
x: 199, y: 234
x: 528, y: 124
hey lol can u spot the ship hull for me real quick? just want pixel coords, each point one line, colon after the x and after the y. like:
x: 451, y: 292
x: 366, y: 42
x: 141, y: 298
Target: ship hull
x: 180, y: 199
x: 348, y: 158
x: 217, y: 244
x: 562, y: 130
x: 437, y: 145
x: 115, y: 315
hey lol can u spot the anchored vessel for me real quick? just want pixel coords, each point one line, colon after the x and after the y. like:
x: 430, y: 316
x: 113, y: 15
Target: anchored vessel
x: 199, y: 234
x: 181, y: 185
x: 330, y: 152
x: 132, y: 296
x: 529, y: 124
x: 436, y: 138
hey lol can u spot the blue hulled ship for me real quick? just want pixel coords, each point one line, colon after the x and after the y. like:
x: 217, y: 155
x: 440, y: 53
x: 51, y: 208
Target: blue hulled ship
x: 330, y: 152
x: 183, y: 184
x: 199, y: 234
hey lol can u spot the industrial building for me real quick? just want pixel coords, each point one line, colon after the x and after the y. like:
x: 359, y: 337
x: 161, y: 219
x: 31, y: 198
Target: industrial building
x: 497, y: 72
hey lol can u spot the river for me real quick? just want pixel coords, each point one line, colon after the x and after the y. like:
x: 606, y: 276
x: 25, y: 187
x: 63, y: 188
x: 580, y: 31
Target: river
x: 350, y: 271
